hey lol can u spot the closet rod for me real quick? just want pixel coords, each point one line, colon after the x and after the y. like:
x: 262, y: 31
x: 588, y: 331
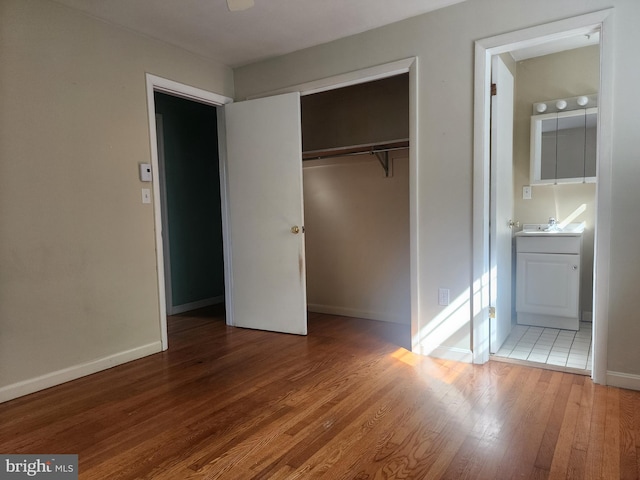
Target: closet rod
x: 365, y: 152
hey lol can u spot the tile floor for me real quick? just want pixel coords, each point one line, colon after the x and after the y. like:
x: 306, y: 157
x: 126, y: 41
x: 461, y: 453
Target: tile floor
x: 564, y: 348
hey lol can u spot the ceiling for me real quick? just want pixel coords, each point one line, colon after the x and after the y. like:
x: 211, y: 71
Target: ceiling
x: 270, y: 28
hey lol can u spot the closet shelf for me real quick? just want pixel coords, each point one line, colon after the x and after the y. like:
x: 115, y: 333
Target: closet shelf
x: 380, y: 150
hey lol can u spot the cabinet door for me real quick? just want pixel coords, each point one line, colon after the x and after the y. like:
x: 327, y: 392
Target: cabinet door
x: 548, y: 284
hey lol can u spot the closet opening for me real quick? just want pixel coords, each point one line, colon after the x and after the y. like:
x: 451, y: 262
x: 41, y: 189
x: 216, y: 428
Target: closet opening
x: 356, y: 202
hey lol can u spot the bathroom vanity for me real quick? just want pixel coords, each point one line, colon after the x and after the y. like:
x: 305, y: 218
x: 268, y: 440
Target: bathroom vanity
x: 548, y: 276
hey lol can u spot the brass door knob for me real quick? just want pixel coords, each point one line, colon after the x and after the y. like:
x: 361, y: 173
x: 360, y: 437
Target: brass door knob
x: 295, y: 229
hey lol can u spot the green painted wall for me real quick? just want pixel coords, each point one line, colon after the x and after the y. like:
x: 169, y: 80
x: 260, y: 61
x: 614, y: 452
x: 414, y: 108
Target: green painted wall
x: 193, y: 199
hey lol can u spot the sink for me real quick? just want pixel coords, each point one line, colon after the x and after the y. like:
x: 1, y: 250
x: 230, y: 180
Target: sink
x: 544, y: 229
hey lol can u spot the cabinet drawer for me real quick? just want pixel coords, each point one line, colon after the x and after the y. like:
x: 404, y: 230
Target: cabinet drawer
x: 548, y: 244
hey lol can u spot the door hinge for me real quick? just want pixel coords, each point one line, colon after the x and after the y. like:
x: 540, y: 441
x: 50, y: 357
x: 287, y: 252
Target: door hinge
x: 492, y: 312
x: 494, y: 89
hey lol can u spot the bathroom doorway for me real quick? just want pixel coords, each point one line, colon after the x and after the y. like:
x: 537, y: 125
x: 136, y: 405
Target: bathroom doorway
x: 507, y: 43
x: 544, y: 78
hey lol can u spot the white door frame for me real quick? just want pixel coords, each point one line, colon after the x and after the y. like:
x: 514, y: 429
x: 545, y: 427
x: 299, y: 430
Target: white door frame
x: 484, y: 49
x: 410, y: 66
x: 159, y: 84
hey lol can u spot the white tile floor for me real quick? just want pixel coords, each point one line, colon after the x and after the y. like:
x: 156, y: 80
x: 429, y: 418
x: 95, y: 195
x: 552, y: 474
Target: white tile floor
x: 564, y: 348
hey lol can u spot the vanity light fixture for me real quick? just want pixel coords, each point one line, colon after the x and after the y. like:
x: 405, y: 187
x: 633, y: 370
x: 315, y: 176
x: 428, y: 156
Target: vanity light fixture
x: 565, y: 104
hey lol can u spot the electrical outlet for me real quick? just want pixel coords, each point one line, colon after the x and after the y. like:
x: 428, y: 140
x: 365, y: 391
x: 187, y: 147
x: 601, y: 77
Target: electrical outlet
x: 443, y: 296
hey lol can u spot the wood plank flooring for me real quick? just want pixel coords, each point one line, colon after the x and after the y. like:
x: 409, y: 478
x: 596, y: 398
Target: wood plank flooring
x: 345, y: 402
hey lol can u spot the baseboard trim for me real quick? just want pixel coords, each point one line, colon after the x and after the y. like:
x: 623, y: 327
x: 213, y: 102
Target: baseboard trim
x: 623, y: 380
x: 448, y: 353
x: 352, y: 312
x: 52, y: 379
x: 187, y: 307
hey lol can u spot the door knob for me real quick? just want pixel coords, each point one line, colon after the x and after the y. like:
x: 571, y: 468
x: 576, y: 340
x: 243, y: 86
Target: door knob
x: 512, y: 224
x: 295, y: 229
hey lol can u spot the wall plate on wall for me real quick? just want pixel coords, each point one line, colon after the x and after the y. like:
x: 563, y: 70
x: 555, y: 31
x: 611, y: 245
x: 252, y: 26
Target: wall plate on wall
x: 145, y: 172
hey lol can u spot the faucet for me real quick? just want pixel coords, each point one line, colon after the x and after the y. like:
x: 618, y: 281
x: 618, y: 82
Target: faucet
x: 552, y: 222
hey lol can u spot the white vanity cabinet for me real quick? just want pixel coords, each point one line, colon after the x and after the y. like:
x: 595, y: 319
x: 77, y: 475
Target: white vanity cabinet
x: 548, y: 280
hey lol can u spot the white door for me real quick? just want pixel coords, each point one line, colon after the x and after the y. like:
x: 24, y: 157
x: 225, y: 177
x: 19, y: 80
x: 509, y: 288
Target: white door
x: 500, y: 241
x: 263, y: 165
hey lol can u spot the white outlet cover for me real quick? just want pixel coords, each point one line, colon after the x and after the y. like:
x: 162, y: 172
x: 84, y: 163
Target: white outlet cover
x: 443, y: 296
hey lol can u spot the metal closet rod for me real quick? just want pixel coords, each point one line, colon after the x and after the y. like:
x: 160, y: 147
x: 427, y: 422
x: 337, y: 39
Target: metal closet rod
x: 349, y: 154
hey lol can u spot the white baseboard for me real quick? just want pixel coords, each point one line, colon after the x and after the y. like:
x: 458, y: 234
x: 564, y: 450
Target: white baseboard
x: 448, y: 353
x: 187, y: 307
x: 623, y: 380
x: 36, y: 384
x: 352, y: 312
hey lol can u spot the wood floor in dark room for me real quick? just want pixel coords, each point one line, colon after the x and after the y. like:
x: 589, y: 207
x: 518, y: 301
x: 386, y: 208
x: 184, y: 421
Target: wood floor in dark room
x: 345, y: 402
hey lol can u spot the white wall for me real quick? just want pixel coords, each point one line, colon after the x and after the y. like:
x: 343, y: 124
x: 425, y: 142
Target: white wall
x: 443, y: 41
x: 357, y: 237
x: 561, y: 75
x: 78, y: 285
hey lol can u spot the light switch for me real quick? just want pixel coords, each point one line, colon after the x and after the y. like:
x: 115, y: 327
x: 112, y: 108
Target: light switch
x: 526, y: 192
x: 146, y: 195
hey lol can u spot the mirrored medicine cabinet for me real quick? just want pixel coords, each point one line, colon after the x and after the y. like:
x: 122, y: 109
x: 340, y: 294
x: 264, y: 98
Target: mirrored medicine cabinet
x: 563, y: 145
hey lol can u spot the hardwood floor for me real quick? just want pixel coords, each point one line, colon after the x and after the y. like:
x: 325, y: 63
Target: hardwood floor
x: 345, y: 402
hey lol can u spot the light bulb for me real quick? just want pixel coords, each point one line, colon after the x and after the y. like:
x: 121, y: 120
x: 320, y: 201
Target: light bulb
x: 561, y: 104
x: 582, y: 101
x: 541, y: 107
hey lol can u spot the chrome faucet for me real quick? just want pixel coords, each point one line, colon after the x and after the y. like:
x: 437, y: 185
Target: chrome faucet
x: 553, y: 225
